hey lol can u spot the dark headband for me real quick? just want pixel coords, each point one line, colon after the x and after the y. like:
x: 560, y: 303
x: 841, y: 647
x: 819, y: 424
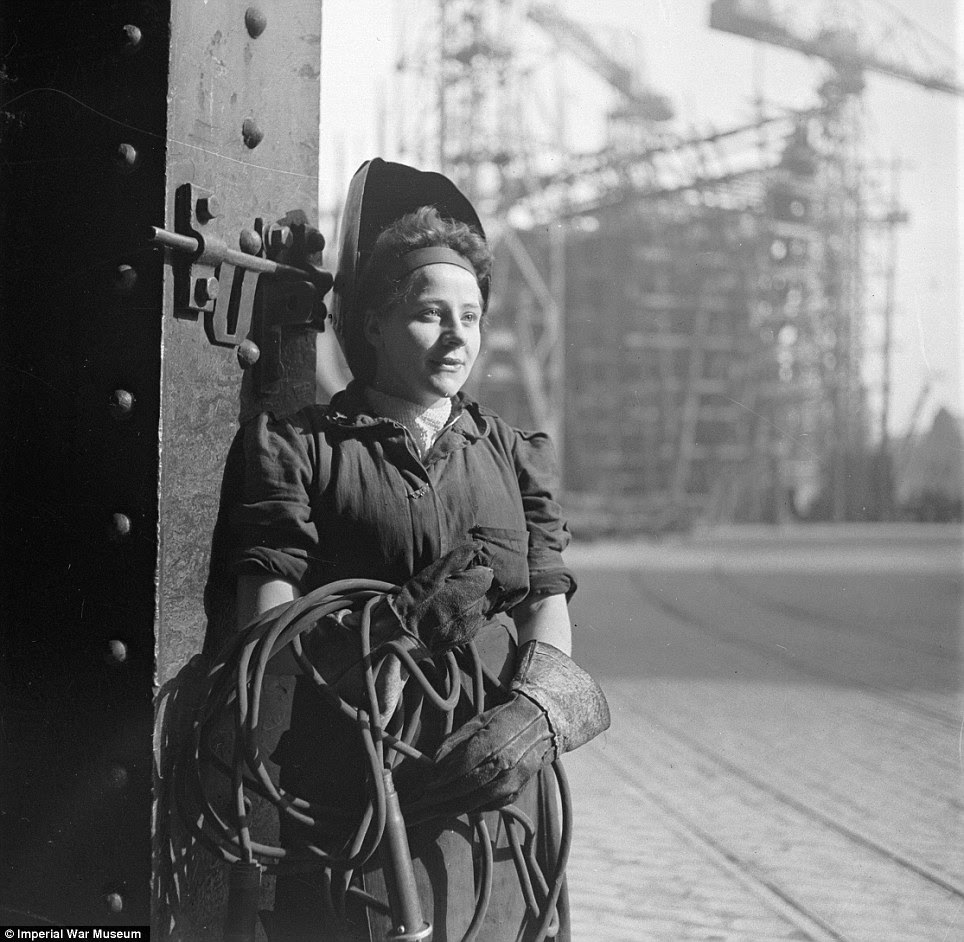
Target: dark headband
x: 433, y: 255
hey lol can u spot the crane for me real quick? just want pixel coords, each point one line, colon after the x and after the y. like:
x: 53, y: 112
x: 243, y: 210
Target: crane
x: 645, y: 103
x: 854, y: 37
x: 857, y: 37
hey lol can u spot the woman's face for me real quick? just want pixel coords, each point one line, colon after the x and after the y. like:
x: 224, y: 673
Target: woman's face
x: 426, y: 346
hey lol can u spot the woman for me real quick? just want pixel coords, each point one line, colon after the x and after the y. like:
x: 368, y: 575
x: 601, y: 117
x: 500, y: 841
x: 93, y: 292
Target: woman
x: 404, y: 479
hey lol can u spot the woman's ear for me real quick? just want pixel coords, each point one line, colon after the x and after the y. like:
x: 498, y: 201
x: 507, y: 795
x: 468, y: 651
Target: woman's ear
x: 371, y: 327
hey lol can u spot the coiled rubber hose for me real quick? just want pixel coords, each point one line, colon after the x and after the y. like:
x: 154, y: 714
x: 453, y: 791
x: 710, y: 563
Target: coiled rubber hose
x: 234, y: 686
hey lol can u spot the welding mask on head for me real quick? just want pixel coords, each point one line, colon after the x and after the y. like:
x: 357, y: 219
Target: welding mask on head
x: 380, y: 193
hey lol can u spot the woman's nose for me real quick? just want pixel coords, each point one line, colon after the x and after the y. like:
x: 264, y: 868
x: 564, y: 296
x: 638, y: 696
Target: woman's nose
x: 454, y: 332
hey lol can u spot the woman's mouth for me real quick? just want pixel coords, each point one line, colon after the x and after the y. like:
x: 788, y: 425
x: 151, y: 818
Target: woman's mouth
x: 448, y: 363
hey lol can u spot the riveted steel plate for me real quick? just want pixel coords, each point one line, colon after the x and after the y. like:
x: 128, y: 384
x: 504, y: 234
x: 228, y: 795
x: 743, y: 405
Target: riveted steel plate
x: 242, y: 125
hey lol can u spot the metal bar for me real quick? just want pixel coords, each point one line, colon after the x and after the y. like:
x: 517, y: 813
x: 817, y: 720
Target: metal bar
x: 174, y: 240
x: 183, y: 243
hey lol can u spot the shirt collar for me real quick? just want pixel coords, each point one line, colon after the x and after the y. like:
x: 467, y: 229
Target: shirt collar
x: 349, y: 409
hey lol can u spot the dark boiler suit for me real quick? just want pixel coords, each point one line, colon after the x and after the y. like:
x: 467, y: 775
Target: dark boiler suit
x: 335, y: 492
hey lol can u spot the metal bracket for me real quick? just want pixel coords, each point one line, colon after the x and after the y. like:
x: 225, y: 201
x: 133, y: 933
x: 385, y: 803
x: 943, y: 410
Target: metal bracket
x: 223, y: 283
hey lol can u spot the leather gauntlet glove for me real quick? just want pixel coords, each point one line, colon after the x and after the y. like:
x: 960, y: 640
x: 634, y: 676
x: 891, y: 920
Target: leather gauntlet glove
x: 333, y: 648
x: 440, y: 607
x: 444, y: 604
x: 554, y: 707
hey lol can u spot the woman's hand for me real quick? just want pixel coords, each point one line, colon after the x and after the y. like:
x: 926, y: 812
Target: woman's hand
x: 335, y: 643
x: 554, y: 707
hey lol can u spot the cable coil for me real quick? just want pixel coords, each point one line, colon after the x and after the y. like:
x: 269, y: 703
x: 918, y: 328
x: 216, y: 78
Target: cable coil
x: 233, y: 689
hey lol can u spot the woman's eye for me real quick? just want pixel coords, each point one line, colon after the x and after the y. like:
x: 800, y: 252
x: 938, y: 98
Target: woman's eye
x: 430, y: 313
x: 470, y: 317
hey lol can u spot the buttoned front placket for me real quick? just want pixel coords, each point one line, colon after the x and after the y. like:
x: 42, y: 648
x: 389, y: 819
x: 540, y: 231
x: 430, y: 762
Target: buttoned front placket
x: 427, y: 513
x: 433, y: 488
x: 436, y: 462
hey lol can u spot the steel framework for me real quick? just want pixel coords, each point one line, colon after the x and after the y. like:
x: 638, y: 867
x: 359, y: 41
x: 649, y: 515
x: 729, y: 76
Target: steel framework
x: 685, y: 312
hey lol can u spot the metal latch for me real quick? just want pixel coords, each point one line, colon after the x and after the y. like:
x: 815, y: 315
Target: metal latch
x: 224, y: 284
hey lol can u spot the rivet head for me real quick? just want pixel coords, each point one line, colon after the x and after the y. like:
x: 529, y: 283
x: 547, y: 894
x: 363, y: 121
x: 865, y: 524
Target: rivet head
x: 125, y: 157
x: 131, y: 37
x: 120, y: 527
x: 250, y: 241
x: 115, y: 778
x: 251, y: 133
x: 255, y: 22
x: 124, y: 280
x: 248, y: 354
x: 205, y: 289
x: 208, y: 208
x: 121, y: 404
x: 114, y: 903
x: 116, y: 652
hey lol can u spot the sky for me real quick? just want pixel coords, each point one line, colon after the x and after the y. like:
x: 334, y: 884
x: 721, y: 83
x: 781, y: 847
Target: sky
x: 713, y: 79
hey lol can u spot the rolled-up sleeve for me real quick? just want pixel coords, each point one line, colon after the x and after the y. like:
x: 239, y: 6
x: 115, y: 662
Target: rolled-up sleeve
x: 538, y: 475
x: 273, y: 524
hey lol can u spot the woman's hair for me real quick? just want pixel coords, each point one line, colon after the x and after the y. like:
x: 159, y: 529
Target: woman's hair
x: 421, y: 229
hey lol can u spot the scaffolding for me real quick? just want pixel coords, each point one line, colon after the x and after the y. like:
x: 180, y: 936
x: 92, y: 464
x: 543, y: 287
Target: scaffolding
x: 482, y: 107
x: 683, y: 312
x: 696, y: 329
